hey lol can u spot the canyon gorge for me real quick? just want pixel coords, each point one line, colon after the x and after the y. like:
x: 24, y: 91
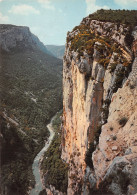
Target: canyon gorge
x: 94, y: 149
x: 30, y: 94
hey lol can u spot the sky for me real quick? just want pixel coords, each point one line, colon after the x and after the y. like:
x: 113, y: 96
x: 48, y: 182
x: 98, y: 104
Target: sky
x: 50, y: 20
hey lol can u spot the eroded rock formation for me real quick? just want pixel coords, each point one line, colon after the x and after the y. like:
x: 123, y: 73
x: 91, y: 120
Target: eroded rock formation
x: 99, y: 139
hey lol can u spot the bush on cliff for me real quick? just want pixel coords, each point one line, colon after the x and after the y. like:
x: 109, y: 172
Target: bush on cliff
x: 128, y: 17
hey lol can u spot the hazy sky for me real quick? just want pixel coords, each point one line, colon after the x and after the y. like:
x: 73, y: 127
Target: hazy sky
x: 50, y: 20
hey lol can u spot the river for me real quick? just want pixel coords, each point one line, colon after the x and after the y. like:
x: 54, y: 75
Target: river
x: 36, y: 167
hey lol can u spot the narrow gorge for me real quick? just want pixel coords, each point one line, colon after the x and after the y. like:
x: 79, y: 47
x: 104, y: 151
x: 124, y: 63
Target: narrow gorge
x: 30, y: 95
x: 99, y: 133
x: 93, y: 149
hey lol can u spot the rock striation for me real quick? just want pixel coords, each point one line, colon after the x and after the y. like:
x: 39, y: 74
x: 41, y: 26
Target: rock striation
x: 99, y: 133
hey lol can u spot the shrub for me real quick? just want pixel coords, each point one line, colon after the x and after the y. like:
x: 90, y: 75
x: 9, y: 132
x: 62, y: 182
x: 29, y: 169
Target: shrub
x: 111, y: 128
x: 115, y: 58
x: 129, y: 38
x: 107, y: 101
x: 80, y: 54
x: 119, y: 76
x: 73, y: 176
x: 78, y: 154
x: 128, y: 17
x: 105, y: 110
x: 85, y: 40
x: 132, y: 86
x: 104, y: 62
x: 112, y: 67
x: 114, y: 137
x: 123, y: 121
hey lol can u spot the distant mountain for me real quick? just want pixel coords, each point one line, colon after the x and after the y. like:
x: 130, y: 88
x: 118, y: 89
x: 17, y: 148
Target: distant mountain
x: 57, y: 51
x: 40, y: 45
x: 19, y: 37
x: 30, y: 94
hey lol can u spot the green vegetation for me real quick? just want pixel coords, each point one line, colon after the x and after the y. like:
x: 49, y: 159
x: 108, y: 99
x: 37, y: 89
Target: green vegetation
x: 128, y: 17
x: 27, y: 76
x: 57, y: 51
x: 119, y: 78
x: 56, y: 170
x: 17, y: 153
x: 114, y: 137
x: 123, y: 121
x: 105, y: 111
x: 132, y: 86
x: 113, y: 67
x: 85, y: 39
x: 111, y: 128
x: 31, y: 93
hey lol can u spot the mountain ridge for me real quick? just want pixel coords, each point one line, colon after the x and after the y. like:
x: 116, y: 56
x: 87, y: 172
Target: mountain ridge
x: 56, y: 50
x: 11, y: 36
x: 30, y: 93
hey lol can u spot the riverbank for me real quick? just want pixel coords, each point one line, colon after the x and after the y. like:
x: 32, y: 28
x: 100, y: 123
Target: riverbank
x: 54, y: 170
x: 38, y: 159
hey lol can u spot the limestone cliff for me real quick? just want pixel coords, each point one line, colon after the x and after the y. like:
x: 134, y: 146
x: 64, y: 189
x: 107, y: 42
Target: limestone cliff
x: 99, y: 139
x: 19, y: 38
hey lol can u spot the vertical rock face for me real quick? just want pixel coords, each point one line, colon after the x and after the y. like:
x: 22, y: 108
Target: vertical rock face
x: 99, y: 108
x: 11, y: 36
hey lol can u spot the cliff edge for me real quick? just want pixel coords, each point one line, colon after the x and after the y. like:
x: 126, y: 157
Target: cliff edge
x: 99, y: 133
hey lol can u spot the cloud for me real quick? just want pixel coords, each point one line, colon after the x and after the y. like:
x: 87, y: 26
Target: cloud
x: 3, y: 18
x: 47, y: 4
x: 92, y: 7
x: 60, y: 10
x: 23, y: 10
x: 125, y: 2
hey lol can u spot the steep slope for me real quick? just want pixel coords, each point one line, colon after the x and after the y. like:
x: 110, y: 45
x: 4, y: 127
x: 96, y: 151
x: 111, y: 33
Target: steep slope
x: 99, y: 104
x: 30, y: 94
x: 12, y: 36
x: 57, y: 51
x: 54, y: 170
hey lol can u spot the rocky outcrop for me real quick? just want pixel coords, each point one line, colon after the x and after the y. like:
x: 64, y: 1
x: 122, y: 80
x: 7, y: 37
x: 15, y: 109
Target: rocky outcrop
x: 19, y: 38
x: 99, y: 108
x: 117, y: 149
